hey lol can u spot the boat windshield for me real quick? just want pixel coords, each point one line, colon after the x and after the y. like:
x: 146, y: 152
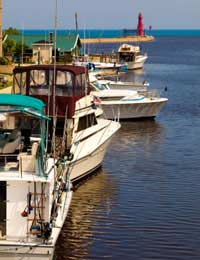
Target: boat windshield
x: 101, y: 86
x: 21, y: 135
x: 61, y: 85
x: 14, y: 125
x: 34, y: 81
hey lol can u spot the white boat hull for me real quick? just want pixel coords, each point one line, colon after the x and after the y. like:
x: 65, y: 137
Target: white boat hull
x: 89, y: 153
x: 25, y: 252
x: 100, y: 65
x: 133, y: 110
x: 137, y: 64
x: 37, y: 250
x: 88, y: 164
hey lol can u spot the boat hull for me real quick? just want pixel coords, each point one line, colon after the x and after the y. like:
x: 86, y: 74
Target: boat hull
x: 88, y: 164
x: 133, y: 110
x: 91, y: 159
x: 38, y: 249
x: 137, y: 64
x: 26, y: 252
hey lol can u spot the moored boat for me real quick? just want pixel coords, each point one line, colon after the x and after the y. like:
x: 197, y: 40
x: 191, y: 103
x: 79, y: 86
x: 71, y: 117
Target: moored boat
x: 118, y: 84
x: 35, y: 190
x: 131, y: 56
x: 126, y: 104
x: 87, y: 136
x: 96, y: 65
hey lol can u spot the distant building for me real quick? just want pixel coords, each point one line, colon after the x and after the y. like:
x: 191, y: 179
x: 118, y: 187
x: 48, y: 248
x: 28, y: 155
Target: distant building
x: 43, y: 50
x: 139, y: 31
x: 140, y: 26
x: 71, y: 47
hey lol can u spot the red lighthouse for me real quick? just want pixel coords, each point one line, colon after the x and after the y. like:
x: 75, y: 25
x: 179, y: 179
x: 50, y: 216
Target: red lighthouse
x: 140, y: 26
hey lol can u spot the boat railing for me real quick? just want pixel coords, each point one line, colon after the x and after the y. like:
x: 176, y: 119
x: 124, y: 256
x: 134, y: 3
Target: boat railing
x: 154, y: 93
x: 9, y: 162
x: 22, y: 161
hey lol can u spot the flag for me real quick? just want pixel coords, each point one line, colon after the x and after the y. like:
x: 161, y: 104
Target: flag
x: 96, y: 99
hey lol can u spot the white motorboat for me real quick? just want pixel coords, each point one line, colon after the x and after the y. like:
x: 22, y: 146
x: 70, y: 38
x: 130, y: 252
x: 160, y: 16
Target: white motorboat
x: 95, y: 65
x: 126, y: 104
x: 128, y: 85
x: 88, y: 136
x: 90, y: 139
x: 35, y: 190
x: 131, y: 56
x: 118, y: 84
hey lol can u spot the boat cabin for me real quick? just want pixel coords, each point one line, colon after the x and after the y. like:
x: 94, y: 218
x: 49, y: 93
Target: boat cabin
x: 128, y: 53
x: 21, y: 133
x: 60, y: 86
x: 22, y: 161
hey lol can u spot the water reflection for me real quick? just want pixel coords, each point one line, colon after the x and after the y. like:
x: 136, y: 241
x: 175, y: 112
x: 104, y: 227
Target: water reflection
x: 91, y: 199
x: 134, y: 76
x: 134, y: 133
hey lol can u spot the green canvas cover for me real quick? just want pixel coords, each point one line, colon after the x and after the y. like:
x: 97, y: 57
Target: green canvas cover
x: 23, y: 103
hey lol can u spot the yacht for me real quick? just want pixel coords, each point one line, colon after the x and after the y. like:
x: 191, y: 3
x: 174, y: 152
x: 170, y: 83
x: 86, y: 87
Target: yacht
x: 87, y: 136
x: 131, y: 56
x: 85, y: 61
x: 35, y: 188
x: 116, y: 84
x: 126, y: 104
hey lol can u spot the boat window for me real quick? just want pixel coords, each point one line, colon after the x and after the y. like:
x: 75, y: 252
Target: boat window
x: 19, y: 83
x: 64, y: 78
x: 126, y: 57
x: 81, y: 83
x: 64, y: 83
x: 101, y: 86
x: 3, y: 209
x: 86, y: 122
x: 37, y: 77
x: 38, y: 82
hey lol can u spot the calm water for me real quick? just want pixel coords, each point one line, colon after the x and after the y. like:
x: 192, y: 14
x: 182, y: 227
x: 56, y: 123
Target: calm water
x: 107, y: 33
x: 145, y: 202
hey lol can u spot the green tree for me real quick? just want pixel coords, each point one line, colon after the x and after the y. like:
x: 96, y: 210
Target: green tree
x: 9, y: 47
x: 12, y: 31
x: 20, y: 47
x: 4, y: 61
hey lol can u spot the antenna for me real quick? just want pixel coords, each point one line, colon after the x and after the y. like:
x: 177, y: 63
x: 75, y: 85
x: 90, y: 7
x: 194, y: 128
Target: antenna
x: 76, y: 22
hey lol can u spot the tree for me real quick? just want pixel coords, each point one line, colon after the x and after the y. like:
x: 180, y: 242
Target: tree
x: 12, y: 31
x: 20, y: 47
x: 9, y: 47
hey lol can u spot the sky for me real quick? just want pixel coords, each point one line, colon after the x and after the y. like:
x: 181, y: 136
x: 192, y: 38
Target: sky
x: 101, y: 14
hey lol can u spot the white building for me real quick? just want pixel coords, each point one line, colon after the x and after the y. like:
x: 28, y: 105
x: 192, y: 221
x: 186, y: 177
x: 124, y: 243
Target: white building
x: 42, y: 52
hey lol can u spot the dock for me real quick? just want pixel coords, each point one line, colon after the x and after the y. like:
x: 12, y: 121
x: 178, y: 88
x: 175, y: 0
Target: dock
x: 122, y: 39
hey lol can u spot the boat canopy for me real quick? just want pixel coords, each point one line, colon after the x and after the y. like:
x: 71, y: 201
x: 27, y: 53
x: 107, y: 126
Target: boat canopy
x: 24, y: 104
x: 57, y: 86
x: 129, y: 48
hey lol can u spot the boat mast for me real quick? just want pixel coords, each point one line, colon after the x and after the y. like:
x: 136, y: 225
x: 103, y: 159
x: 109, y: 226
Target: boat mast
x: 54, y: 77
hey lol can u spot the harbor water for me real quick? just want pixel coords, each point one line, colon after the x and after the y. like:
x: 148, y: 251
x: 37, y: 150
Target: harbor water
x: 144, y: 204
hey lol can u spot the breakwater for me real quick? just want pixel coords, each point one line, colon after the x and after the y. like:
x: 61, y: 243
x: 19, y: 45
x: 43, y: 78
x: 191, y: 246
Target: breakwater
x: 119, y: 39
